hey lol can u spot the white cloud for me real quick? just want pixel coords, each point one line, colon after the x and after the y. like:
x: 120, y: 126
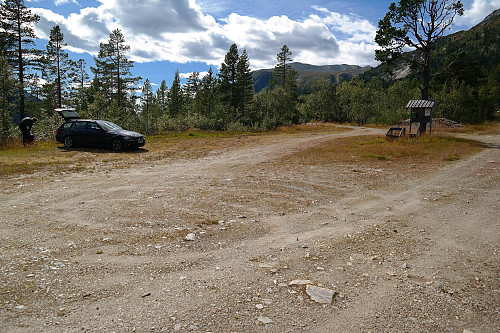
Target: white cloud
x: 477, y: 11
x: 359, y: 29
x: 187, y: 75
x: 63, y: 2
x: 178, y: 31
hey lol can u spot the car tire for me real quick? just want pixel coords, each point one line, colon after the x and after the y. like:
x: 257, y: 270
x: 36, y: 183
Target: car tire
x: 68, y: 142
x: 117, y: 145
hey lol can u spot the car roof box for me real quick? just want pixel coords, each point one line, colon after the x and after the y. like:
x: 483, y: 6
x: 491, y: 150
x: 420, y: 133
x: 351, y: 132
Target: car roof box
x: 68, y: 114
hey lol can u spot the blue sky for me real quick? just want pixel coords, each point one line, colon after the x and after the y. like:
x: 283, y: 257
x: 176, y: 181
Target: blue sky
x: 194, y: 35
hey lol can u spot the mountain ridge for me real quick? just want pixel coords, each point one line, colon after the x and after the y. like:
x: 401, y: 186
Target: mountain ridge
x: 309, y: 73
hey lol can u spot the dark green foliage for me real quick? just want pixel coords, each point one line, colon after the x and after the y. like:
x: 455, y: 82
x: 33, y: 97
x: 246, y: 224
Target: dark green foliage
x: 7, y: 81
x: 149, y: 109
x: 175, y: 97
x: 207, y: 94
x: 492, y: 88
x: 321, y: 103
x: 17, y: 43
x: 228, y: 75
x: 244, y: 89
x: 282, y: 70
x: 161, y: 97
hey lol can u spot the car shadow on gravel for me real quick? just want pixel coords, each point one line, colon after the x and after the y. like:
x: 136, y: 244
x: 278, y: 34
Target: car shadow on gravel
x: 103, y: 150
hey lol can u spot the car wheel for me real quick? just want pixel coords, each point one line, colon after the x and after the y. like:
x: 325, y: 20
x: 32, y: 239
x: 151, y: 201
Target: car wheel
x: 117, y: 145
x: 68, y: 142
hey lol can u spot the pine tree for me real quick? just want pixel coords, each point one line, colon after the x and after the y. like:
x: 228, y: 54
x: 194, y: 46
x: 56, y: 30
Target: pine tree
x: 7, y: 81
x: 207, y: 93
x: 147, y: 97
x: 193, y: 81
x: 80, y: 82
x: 245, y: 90
x: 283, y: 74
x: 284, y: 78
x: 162, y: 97
x: 147, y: 108
x: 416, y: 24
x: 18, y: 45
x: 228, y: 75
x: 191, y: 92
x: 175, y: 96
x: 57, y: 65
x: 113, y: 70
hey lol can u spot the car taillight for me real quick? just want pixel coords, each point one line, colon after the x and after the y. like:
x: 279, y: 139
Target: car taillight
x: 57, y: 131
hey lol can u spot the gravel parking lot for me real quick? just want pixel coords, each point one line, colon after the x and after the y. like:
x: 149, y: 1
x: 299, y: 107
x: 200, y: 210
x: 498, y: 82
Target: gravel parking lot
x: 243, y: 239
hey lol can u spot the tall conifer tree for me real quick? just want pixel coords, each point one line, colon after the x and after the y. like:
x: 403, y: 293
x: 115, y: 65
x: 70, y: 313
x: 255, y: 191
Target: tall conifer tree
x: 113, y: 69
x: 228, y: 75
x: 7, y: 80
x: 245, y: 82
x: 283, y: 75
x: 18, y: 46
x: 175, y: 96
x: 57, y: 64
x: 162, y: 97
x: 207, y: 93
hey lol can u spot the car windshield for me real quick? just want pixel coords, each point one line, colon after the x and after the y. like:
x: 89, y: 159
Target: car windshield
x: 108, y: 126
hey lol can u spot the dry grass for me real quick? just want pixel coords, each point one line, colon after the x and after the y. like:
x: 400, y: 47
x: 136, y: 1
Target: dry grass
x: 372, y: 162
x: 488, y: 127
x: 431, y: 149
x: 376, y: 162
x: 51, y: 156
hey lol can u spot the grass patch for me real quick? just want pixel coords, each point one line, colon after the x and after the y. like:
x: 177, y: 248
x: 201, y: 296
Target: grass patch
x: 52, y: 156
x: 488, y: 127
x: 376, y: 156
x: 309, y: 128
x: 367, y: 150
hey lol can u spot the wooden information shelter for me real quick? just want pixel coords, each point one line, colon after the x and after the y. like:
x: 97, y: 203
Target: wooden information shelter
x: 421, y: 112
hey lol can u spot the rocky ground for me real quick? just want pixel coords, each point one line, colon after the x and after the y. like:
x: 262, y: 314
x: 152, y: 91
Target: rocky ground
x: 245, y: 240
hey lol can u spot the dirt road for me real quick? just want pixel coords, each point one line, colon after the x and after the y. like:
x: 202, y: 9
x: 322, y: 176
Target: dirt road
x: 237, y: 241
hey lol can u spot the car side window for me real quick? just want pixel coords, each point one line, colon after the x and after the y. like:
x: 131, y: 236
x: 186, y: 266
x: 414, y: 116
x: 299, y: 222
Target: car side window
x: 80, y: 125
x: 92, y: 126
x: 67, y: 125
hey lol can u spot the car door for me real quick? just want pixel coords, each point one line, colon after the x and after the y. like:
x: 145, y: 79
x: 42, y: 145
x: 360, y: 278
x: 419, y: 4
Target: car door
x: 79, y: 132
x: 96, y: 134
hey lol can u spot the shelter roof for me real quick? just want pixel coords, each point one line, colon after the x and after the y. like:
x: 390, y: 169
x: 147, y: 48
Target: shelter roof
x: 420, y: 103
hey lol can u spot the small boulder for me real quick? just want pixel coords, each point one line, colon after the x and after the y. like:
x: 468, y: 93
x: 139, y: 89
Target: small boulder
x: 320, y: 295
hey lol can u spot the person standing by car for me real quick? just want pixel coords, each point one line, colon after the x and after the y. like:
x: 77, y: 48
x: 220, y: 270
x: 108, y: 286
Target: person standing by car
x: 25, y: 126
